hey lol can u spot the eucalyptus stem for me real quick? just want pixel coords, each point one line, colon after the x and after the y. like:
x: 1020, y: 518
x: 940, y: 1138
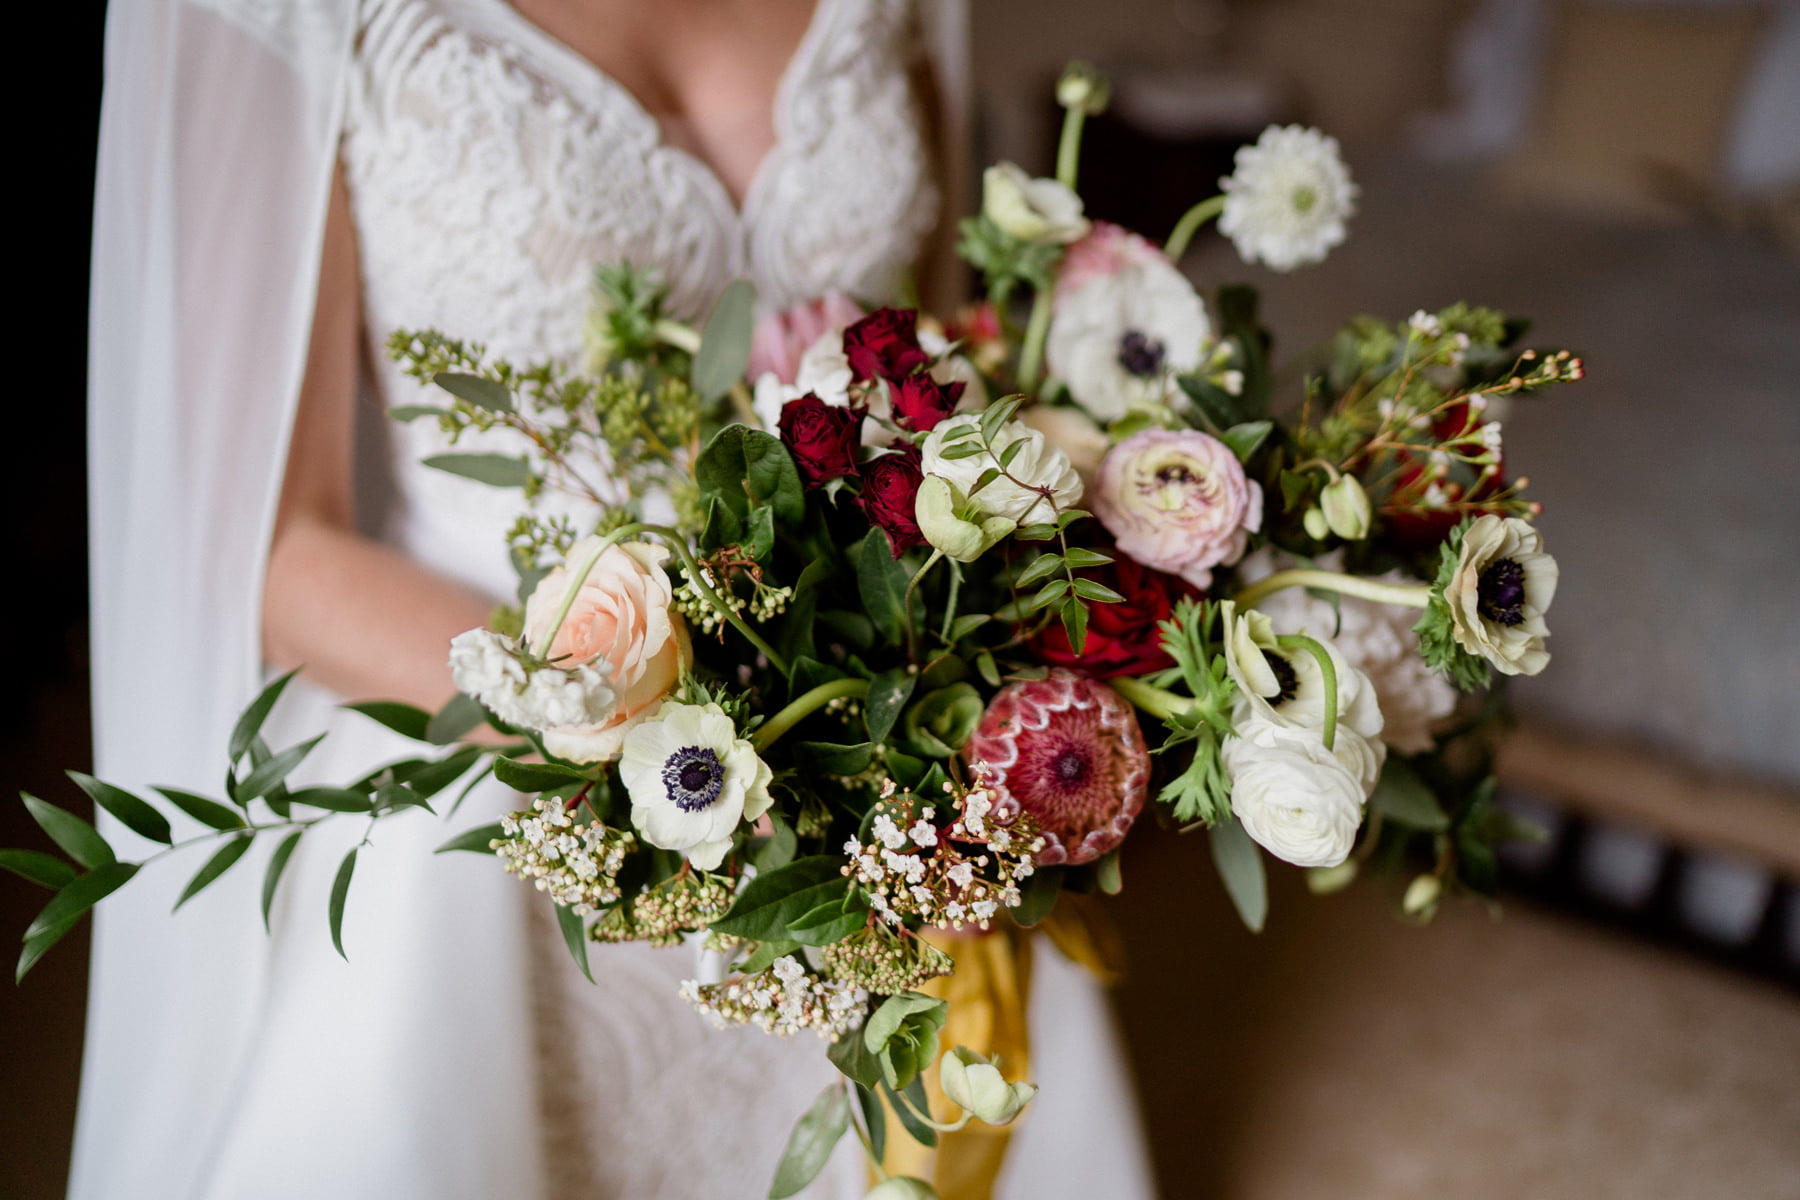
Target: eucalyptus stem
x: 1411, y: 595
x: 805, y: 706
x: 1327, y: 672
x: 1189, y: 225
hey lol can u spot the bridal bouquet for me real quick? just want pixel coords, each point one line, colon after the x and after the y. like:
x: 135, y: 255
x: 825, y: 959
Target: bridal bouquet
x: 848, y: 634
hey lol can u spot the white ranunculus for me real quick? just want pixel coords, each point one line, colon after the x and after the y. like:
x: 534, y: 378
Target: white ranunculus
x: 1015, y: 495
x: 1288, y: 199
x: 1284, y: 685
x: 487, y: 666
x: 1377, y: 639
x: 692, y: 780
x: 1032, y: 210
x: 1121, y: 335
x: 1502, y: 587
x: 1295, y: 799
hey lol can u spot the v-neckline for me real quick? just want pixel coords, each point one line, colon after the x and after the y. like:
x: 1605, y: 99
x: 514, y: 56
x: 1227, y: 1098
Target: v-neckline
x: 580, y: 71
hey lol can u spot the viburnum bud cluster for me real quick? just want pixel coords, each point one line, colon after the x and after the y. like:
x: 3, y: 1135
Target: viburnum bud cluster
x: 782, y: 1000
x: 576, y: 864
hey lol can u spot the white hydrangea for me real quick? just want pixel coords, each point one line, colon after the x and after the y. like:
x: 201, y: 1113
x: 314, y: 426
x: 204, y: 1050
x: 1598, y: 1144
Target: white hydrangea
x: 487, y: 666
x: 1288, y: 199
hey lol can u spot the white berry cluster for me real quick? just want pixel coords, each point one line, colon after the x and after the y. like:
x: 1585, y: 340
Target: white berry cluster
x: 663, y: 914
x: 764, y: 603
x: 959, y: 875
x: 577, y: 864
x: 883, y: 961
x: 782, y: 999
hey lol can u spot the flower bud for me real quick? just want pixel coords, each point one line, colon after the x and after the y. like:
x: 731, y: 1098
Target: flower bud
x: 902, y: 1187
x: 1315, y: 523
x: 963, y: 539
x: 1032, y: 210
x: 1323, y: 881
x: 1346, y: 508
x: 973, y: 1082
x: 1084, y: 86
x: 1421, y: 899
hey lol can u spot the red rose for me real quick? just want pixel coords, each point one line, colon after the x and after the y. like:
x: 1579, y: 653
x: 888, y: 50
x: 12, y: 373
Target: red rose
x: 886, y: 342
x: 890, y: 488
x: 1122, y: 639
x: 920, y: 401
x: 823, y: 438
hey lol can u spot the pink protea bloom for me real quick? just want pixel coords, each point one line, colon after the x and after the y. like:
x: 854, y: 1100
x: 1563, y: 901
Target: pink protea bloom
x: 1067, y: 750
x: 781, y: 338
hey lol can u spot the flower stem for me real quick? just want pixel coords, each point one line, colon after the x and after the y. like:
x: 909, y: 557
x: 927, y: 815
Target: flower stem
x: 1068, y: 147
x: 1031, y: 353
x: 674, y: 333
x: 804, y: 706
x: 906, y: 607
x: 1190, y: 224
x: 1329, y: 675
x: 1158, y: 702
x: 924, y: 1118
x: 1409, y: 594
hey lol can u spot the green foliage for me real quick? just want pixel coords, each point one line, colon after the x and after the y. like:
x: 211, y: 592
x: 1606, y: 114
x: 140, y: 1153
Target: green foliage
x: 1240, y: 867
x: 340, y: 892
x: 1400, y: 795
x: 770, y: 903
x: 1436, y: 628
x: 725, y: 342
x: 574, y: 932
x: 1004, y: 261
x: 903, y: 1036
x: 809, y: 1146
x: 222, y: 861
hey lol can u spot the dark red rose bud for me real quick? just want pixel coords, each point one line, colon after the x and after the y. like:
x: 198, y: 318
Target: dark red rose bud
x: 886, y: 342
x: 890, y: 487
x: 823, y: 438
x: 920, y: 401
x: 1122, y: 638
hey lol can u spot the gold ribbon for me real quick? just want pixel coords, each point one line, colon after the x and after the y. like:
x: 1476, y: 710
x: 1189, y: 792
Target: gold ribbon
x: 988, y: 992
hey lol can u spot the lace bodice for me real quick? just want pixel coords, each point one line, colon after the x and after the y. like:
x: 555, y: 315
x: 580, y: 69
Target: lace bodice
x: 491, y: 168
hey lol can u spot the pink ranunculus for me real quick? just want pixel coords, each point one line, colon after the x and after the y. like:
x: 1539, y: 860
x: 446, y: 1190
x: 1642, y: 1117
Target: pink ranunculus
x: 622, y: 620
x: 782, y: 338
x: 1177, y: 501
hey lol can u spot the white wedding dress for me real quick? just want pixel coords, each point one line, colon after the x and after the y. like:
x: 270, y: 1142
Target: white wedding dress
x: 459, y: 1053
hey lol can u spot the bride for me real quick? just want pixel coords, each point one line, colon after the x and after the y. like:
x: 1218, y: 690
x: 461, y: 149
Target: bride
x: 280, y: 185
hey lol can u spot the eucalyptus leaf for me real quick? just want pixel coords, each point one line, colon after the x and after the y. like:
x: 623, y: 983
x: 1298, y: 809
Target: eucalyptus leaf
x: 412, y: 412
x: 78, y: 839
x: 81, y: 894
x: 574, y: 931
x: 45, y: 870
x: 811, y: 1143
x: 222, y: 861
x: 340, y: 891
x: 1240, y: 868
x: 495, y: 470
x: 208, y: 812
x: 476, y: 839
x: 473, y: 389
x: 725, y: 341
x: 251, y: 722
x: 137, y: 816
x: 278, y: 862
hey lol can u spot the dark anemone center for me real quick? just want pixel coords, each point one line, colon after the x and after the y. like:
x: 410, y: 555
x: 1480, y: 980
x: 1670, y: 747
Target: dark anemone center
x: 1070, y: 766
x: 1285, y: 679
x: 1500, y: 593
x: 693, y: 777
x: 1140, y: 355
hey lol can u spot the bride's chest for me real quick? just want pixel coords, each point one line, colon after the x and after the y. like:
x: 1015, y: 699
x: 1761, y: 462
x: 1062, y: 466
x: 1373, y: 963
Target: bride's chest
x: 492, y: 168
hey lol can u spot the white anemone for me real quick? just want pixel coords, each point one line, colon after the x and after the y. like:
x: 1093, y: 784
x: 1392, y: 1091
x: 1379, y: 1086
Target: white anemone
x: 692, y: 780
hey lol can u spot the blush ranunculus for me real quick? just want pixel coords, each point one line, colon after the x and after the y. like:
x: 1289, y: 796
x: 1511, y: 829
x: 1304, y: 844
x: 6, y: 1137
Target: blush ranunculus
x: 622, y: 620
x: 920, y: 401
x: 890, y: 491
x: 823, y: 438
x: 886, y: 342
x: 781, y: 338
x: 1123, y: 638
x: 1178, y: 500
x: 1067, y: 750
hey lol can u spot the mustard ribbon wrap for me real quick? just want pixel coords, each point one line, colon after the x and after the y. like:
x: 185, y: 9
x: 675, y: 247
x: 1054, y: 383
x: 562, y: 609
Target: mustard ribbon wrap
x: 988, y: 993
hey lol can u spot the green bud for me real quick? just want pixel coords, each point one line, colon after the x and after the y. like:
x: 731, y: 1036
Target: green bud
x: 1315, y: 523
x: 1422, y: 895
x: 1346, y: 508
x: 973, y: 1082
x: 1084, y: 86
x: 1323, y: 881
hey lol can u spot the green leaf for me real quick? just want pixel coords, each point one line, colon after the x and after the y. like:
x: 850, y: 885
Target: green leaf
x: 1240, y: 867
x: 1107, y: 874
x: 434, y: 776
x: 36, y: 947
x: 873, y: 1118
x: 1099, y: 593
x: 1041, y: 567
x: 221, y: 861
x: 207, y: 812
x: 1038, y: 895
x: 412, y: 412
x: 476, y: 839
x: 1080, y: 557
x: 766, y: 907
x: 473, y: 389
x: 1034, y: 533
x: 574, y: 931
x: 403, y: 719
x: 743, y: 467
x: 881, y: 580
x: 1075, y: 623
x: 340, y: 891
x: 1244, y: 439
x: 138, y: 816
x: 777, y: 850
x: 251, y: 722
x: 835, y: 759
x: 725, y: 341
x: 765, y: 955
x: 270, y: 774
x: 920, y: 1132
x: 857, y: 1063
x: 1050, y: 593
x: 888, y: 694
x: 832, y: 921
x: 333, y: 799
x: 1402, y: 796
x: 986, y: 477
x: 46, y: 870
x: 963, y: 626
x: 496, y: 470
x: 81, y: 894
x: 277, y: 864
x: 811, y: 1143
x: 461, y: 715
x: 79, y: 840
x: 533, y: 777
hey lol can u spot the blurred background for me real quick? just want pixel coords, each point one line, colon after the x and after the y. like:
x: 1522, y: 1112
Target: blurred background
x: 1627, y: 173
